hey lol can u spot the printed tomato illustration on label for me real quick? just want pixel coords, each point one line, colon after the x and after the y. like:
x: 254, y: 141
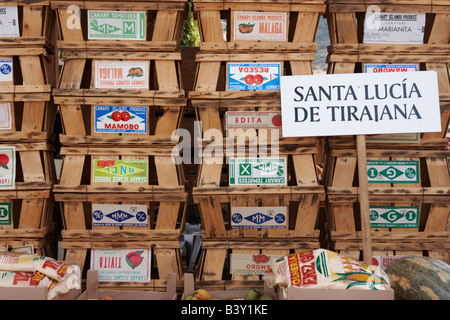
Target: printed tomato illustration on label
x: 253, y: 76
x: 114, y: 119
x: 246, y: 27
x: 134, y: 259
x: 7, y: 167
x: 135, y: 72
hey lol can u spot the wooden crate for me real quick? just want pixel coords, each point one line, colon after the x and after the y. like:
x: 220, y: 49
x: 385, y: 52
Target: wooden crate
x: 303, y: 19
x: 166, y: 260
x: 430, y: 194
x: 26, y: 97
x: 32, y: 221
x: 348, y: 53
x: 190, y: 285
x: 93, y: 292
x: 164, y: 195
x: 213, y: 268
x: 164, y: 25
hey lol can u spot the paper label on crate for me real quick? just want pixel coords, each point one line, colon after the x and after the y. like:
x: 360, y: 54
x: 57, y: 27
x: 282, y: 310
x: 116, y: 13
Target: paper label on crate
x: 6, y: 70
x: 258, y: 217
x: 412, y: 137
x: 121, y: 74
x: 253, y: 120
x: 7, y: 167
x: 390, y: 171
x: 253, y: 76
x: 122, y: 265
x: 384, y: 261
x: 251, y: 263
x: 388, y: 68
x: 5, y: 214
x: 394, y: 217
x: 266, y: 26
x: 122, y: 119
x: 391, y: 27
x: 5, y: 115
x: 119, y: 215
x: 116, y: 25
x: 120, y: 171
x: 257, y: 171
x: 9, y: 22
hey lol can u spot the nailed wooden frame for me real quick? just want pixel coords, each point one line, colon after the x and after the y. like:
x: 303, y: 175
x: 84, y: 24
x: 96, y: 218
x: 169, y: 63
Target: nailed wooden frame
x: 162, y: 35
x: 347, y: 53
x: 166, y: 258
x: 211, y: 272
x: 430, y: 194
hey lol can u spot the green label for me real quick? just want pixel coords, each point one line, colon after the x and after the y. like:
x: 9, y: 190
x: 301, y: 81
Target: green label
x: 5, y: 214
x: 120, y: 171
x: 392, y: 171
x: 116, y: 25
x: 257, y: 171
x: 394, y: 217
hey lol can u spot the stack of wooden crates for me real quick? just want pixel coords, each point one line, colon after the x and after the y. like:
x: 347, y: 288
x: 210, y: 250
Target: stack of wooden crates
x: 27, y: 117
x: 121, y: 99
x: 240, y: 39
x: 414, y: 174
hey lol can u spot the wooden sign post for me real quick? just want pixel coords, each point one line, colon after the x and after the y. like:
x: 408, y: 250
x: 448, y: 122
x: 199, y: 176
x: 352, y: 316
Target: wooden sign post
x: 364, y: 198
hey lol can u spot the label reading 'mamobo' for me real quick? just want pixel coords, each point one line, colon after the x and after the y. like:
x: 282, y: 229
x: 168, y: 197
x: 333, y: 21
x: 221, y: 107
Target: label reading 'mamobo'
x: 120, y: 170
x: 257, y: 171
x: 115, y: 119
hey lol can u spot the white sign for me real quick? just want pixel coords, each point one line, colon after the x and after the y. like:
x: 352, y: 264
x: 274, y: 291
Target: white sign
x: 258, y: 217
x: 366, y: 103
x: 5, y: 115
x: 390, y: 27
x: 122, y: 265
x: 9, y: 22
x: 121, y: 74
